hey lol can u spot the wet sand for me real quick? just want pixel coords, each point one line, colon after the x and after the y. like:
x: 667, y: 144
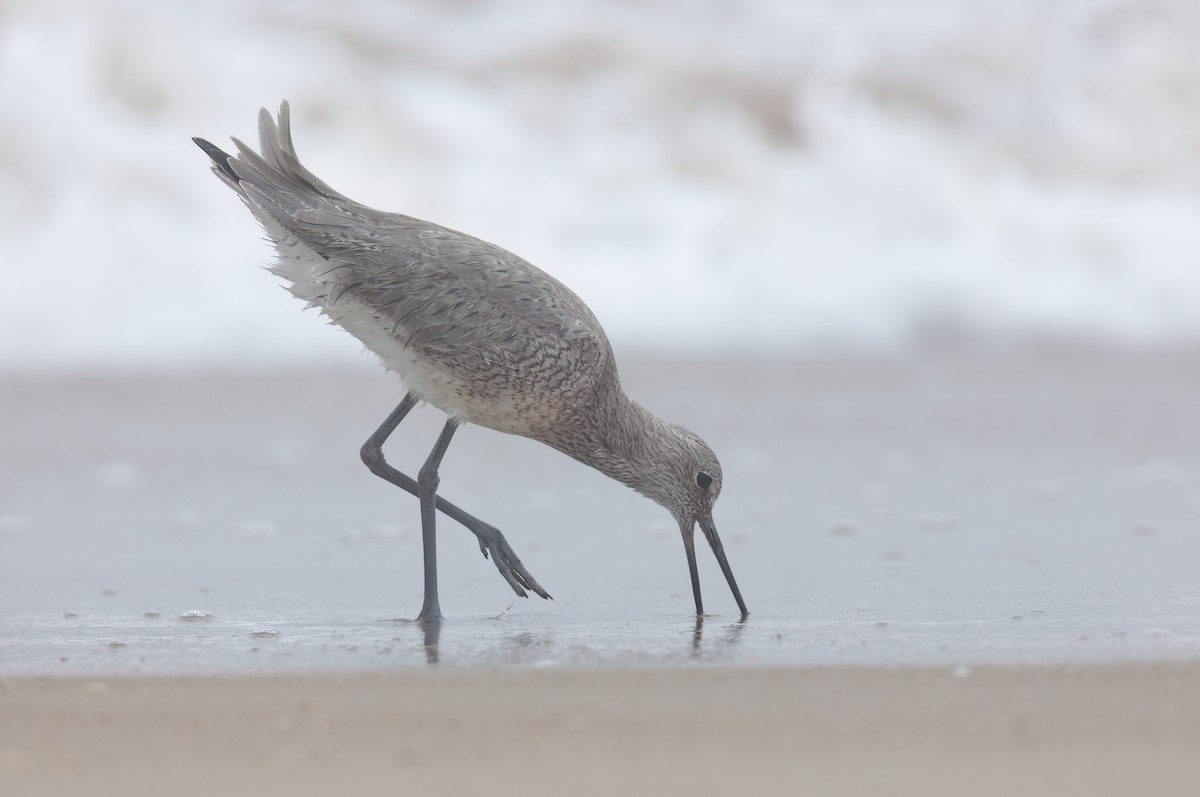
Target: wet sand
x: 969, y: 573
x: 1094, y: 730
x: 960, y: 507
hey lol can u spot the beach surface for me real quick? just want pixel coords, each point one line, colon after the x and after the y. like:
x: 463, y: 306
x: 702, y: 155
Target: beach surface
x: 969, y: 572
x: 1087, y: 730
x: 974, y: 507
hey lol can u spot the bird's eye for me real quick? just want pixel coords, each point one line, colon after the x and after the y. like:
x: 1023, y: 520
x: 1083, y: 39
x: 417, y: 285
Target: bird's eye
x: 703, y: 480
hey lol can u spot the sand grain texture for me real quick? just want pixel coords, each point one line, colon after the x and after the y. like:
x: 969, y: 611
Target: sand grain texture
x: 1114, y: 729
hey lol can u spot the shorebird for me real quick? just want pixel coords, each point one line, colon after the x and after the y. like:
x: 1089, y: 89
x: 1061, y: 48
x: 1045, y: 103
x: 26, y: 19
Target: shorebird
x: 480, y: 334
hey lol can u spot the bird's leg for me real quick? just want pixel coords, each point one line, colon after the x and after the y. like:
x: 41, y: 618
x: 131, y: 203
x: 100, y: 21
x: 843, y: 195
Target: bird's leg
x: 490, y: 538
x: 427, y: 484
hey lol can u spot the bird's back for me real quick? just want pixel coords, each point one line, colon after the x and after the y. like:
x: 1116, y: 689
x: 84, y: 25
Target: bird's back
x: 475, y: 330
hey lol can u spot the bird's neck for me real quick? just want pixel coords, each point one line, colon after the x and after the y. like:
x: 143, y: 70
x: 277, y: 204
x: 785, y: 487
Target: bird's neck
x: 624, y: 442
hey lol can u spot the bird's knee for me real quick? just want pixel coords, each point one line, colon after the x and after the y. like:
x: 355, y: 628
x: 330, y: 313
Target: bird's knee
x: 427, y: 481
x: 372, y: 456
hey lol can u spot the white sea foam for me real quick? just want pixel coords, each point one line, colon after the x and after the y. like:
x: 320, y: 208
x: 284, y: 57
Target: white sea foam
x: 866, y: 174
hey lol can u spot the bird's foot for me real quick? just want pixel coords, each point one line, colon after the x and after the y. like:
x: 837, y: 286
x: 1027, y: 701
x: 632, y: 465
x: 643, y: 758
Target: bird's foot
x: 429, y: 614
x: 493, y: 545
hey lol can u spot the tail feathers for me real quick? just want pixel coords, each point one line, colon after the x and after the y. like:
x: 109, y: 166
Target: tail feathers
x: 291, y: 162
x: 276, y: 167
x: 275, y: 142
x: 260, y: 173
x: 308, y: 221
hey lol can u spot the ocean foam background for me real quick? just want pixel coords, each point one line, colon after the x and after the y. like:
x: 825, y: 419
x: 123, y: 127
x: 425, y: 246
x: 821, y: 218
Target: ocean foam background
x: 816, y: 175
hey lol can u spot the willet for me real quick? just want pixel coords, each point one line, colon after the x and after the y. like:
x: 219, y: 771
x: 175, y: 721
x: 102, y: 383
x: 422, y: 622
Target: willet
x: 478, y: 333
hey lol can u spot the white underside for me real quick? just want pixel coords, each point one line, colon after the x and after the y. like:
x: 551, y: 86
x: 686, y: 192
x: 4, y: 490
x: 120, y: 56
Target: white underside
x: 303, y: 269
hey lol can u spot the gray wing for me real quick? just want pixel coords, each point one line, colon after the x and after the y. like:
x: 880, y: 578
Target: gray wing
x: 439, y: 290
x: 437, y: 286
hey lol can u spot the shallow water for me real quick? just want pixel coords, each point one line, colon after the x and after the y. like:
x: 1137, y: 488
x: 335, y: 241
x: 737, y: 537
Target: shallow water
x: 953, y: 510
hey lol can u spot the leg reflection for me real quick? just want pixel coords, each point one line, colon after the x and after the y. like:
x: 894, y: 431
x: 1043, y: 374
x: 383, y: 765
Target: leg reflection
x: 432, y: 630
x: 721, y: 647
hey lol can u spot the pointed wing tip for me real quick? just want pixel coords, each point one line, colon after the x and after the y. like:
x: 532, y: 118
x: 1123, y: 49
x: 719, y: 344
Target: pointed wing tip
x: 220, y: 158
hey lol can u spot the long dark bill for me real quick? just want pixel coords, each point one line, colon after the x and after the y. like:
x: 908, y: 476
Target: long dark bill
x: 689, y: 545
x: 710, y: 531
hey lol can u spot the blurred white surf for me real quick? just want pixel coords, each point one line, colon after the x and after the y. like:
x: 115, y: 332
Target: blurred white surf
x: 754, y: 174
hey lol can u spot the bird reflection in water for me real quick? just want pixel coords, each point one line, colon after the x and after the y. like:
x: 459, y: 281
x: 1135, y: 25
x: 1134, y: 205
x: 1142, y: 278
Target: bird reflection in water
x: 431, y: 632
x: 527, y: 647
x: 718, y: 647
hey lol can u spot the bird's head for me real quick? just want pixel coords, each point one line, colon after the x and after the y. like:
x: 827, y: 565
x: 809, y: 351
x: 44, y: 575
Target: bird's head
x: 686, y: 480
